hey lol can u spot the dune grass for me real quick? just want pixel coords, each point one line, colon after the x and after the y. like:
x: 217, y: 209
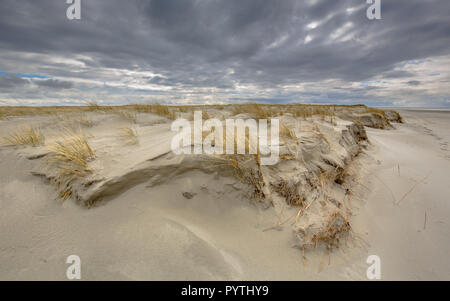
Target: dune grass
x: 27, y: 135
x: 129, y: 134
x: 256, y: 110
x: 83, y: 120
x: 289, y: 191
x: 127, y: 115
x: 158, y: 109
x: 69, y: 157
x: 286, y: 132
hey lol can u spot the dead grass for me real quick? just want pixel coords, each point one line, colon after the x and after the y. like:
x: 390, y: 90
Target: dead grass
x: 84, y: 121
x: 286, y: 132
x: 289, y: 191
x: 334, y: 228
x: 127, y: 115
x: 321, y: 135
x: 158, y: 109
x: 69, y: 157
x: 92, y: 105
x: 257, y: 111
x: 247, y: 171
x: 130, y: 136
x: 246, y: 167
x: 27, y: 135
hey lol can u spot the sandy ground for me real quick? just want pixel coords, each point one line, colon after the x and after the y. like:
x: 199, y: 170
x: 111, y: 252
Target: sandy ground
x: 412, y: 238
x: 155, y: 233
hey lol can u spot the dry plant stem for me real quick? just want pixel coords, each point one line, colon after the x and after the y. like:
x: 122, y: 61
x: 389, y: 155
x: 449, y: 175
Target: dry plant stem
x: 425, y: 221
x: 390, y: 190
x: 412, y: 188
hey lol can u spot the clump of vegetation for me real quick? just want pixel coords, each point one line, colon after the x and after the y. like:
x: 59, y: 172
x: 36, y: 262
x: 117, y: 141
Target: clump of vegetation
x: 290, y: 192
x: 158, y: 109
x: 92, y: 105
x: 286, y: 132
x: 303, y: 112
x: 128, y: 115
x: 334, y: 228
x: 246, y: 171
x: 27, y: 135
x: 130, y: 135
x: 84, y: 121
x: 69, y: 157
x: 258, y: 111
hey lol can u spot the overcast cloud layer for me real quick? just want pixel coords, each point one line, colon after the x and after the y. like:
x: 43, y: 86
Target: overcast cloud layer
x: 211, y: 51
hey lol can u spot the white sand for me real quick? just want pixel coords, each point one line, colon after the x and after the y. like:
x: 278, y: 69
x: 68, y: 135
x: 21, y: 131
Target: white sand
x: 409, y: 247
x: 154, y: 233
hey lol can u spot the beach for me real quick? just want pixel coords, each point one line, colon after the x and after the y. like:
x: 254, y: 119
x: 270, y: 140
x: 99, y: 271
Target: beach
x: 196, y: 225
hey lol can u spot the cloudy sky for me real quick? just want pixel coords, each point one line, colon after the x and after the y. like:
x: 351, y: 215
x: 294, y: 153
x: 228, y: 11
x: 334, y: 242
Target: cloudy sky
x: 225, y: 51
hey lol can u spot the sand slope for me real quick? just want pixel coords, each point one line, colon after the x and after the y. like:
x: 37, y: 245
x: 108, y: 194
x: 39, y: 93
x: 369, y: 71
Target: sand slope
x: 414, y: 170
x: 153, y: 232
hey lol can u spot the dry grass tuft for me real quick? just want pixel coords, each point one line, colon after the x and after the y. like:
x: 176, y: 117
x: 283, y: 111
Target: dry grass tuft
x: 286, y: 132
x: 26, y: 136
x: 128, y: 115
x: 290, y: 192
x: 70, y: 156
x: 158, y: 109
x: 92, y: 105
x: 258, y: 111
x: 130, y: 135
x: 335, y: 228
x: 84, y: 121
x: 321, y: 135
x: 246, y: 168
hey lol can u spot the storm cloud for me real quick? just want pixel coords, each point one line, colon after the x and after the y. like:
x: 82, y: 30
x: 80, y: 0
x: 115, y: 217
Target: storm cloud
x: 203, y: 51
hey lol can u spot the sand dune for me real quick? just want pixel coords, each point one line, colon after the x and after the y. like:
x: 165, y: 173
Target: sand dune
x: 155, y: 215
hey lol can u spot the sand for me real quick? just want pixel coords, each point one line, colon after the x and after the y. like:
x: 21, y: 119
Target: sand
x: 148, y: 231
x: 412, y: 238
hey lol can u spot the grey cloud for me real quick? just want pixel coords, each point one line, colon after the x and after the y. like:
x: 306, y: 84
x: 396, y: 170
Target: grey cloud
x: 413, y: 83
x: 54, y: 84
x: 11, y: 81
x: 397, y: 74
x: 223, y: 44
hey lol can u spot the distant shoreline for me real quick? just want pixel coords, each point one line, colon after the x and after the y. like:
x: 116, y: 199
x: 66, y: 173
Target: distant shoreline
x: 420, y: 109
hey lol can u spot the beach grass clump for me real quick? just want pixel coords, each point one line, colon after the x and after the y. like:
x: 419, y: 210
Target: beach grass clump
x: 257, y: 110
x: 286, y: 132
x: 247, y: 172
x: 333, y: 230
x: 92, y: 105
x: 163, y: 110
x: 128, y: 115
x: 82, y: 120
x: 246, y: 167
x: 302, y: 111
x: 290, y: 192
x: 158, y: 109
x: 129, y: 134
x: 27, y: 135
x: 69, y: 157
